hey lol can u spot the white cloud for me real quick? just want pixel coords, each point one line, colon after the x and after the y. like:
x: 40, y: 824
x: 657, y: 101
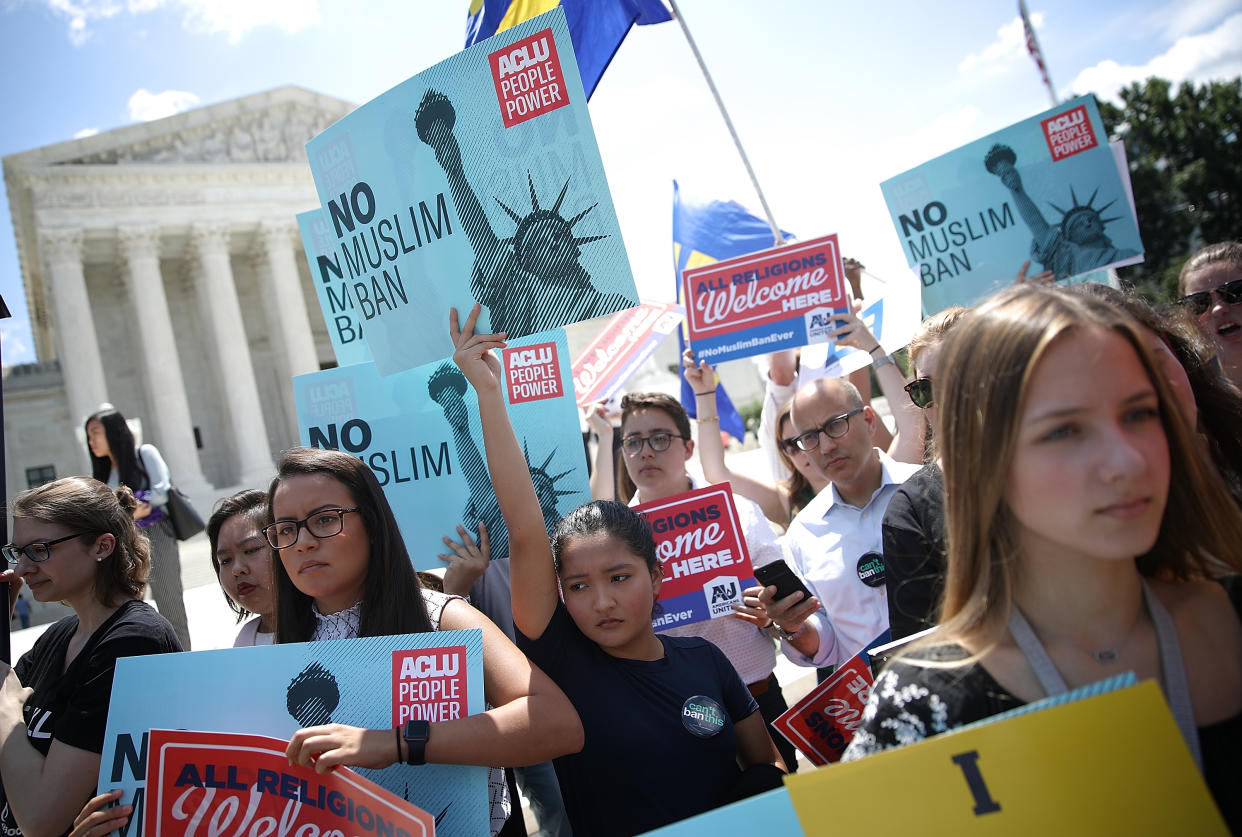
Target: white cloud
x: 1189, y: 16
x: 234, y: 18
x: 16, y: 343
x: 1212, y: 55
x: 145, y: 105
x: 1010, y: 41
x: 86, y: 132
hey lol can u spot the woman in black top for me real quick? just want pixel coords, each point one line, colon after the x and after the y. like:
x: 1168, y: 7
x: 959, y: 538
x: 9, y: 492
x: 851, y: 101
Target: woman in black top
x: 74, y: 540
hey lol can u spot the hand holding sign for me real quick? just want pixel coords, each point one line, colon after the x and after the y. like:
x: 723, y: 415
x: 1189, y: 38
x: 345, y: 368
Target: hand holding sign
x: 97, y: 819
x: 467, y: 561
x: 324, y: 747
x: 473, y: 352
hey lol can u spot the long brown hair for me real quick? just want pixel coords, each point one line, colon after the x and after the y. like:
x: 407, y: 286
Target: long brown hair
x: 988, y: 362
x: 796, y: 487
x: 392, y: 598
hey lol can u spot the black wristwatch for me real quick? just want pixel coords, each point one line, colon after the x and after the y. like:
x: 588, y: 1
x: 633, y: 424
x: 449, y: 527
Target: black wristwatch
x: 416, y: 734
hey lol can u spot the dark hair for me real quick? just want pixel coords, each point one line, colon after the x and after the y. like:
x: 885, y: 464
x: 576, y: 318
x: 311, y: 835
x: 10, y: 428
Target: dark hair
x: 392, y: 598
x: 1219, y: 404
x: 611, y: 518
x: 93, y: 508
x: 252, y: 505
x: 122, y: 446
x: 1226, y: 252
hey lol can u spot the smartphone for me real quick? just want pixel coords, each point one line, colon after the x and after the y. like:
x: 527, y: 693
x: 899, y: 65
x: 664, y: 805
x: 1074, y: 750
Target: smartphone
x: 777, y: 574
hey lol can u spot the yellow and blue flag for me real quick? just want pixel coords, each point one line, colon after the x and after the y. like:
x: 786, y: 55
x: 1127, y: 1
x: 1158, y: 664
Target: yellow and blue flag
x: 706, y: 232
x: 596, y: 27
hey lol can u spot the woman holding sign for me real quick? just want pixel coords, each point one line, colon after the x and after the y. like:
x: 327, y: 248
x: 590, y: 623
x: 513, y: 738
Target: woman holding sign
x: 74, y: 540
x: 344, y: 572
x: 667, y: 719
x: 1092, y: 540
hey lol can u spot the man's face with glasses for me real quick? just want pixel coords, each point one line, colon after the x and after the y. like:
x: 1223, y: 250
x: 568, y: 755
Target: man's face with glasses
x: 834, y: 431
x: 655, y: 453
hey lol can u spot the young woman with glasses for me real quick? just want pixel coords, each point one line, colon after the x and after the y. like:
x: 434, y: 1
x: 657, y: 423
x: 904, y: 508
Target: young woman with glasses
x: 1092, y: 538
x: 343, y: 571
x: 117, y: 460
x: 667, y: 719
x: 74, y: 541
x: 1211, y: 287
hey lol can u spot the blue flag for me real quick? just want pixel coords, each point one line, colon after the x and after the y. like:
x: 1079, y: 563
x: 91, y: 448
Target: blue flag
x: 709, y: 232
x: 596, y: 27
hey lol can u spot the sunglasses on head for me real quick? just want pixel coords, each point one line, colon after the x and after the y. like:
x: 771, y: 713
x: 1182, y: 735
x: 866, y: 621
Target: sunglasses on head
x: 1198, y: 303
x: 920, y: 390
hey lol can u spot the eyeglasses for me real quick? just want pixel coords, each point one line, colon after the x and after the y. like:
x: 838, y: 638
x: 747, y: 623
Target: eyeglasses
x: 1197, y: 303
x: 834, y: 428
x: 37, y: 551
x: 920, y: 390
x: 633, y: 445
x: 324, y: 523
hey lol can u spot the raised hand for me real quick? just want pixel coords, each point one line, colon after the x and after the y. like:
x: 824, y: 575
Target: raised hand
x: 700, y: 375
x: 473, y: 352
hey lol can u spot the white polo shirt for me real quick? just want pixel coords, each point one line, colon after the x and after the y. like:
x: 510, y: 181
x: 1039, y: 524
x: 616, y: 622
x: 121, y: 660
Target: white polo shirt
x: 826, y: 544
x: 749, y: 648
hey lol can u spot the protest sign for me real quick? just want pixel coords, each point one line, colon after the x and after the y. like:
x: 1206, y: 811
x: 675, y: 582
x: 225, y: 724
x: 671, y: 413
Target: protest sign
x: 1047, y: 189
x: 419, y: 431
x: 766, y: 813
x: 779, y: 298
x: 477, y: 180
x: 628, y: 339
x: 822, y: 724
x: 275, y: 690
x: 702, y: 551
x: 332, y: 290
x: 1114, y: 763
x: 214, y: 783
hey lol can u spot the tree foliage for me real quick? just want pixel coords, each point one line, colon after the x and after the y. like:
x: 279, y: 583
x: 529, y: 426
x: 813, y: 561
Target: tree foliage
x: 1186, y: 169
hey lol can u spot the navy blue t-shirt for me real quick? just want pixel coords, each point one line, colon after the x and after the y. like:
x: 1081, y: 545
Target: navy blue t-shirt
x: 640, y: 768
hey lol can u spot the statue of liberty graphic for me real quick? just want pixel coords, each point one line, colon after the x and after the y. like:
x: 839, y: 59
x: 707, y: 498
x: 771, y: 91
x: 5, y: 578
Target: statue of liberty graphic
x: 447, y: 387
x: 532, y: 280
x: 1078, y: 244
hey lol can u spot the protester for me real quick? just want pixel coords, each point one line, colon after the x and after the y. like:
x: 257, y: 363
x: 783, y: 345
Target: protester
x: 834, y: 543
x: 1211, y: 288
x: 116, y: 460
x: 242, y: 559
x: 779, y: 502
x: 23, y: 611
x: 74, y: 541
x: 349, y: 575
x: 643, y: 765
x: 913, y: 525
x: 1083, y: 545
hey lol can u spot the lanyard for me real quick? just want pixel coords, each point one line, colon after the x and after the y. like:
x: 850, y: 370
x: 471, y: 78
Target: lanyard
x: 1172, y: 669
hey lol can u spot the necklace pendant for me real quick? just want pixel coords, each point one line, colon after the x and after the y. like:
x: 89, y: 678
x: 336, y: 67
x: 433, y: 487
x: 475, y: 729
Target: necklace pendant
x: 1105, y: 656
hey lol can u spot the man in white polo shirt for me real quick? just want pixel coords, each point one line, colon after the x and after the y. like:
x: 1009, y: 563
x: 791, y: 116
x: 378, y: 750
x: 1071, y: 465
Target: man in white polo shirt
x: 835, y: 542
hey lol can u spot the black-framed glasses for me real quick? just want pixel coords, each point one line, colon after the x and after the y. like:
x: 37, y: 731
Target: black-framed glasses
x: 37, y: 551
x: 834, y: 428
x: 659, y: 442
x: 324, y: 523
x: 920, y: 390
x: 1197, y: 303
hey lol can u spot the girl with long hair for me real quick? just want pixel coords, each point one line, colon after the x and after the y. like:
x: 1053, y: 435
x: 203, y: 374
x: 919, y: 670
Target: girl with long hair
x: 74, y: 541
x: 117, y: 460
x: 242, y: 559
x: 1092, y: 537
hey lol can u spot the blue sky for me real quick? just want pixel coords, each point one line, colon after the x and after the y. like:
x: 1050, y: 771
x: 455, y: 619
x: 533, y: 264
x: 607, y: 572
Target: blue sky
x: 829, y: 98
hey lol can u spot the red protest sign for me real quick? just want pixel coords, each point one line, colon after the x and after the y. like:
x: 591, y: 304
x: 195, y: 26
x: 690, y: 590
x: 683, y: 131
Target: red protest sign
x: 823, y: 722
x: 533, y: 373
x: 527, y: 75
x: 1069, y: 133
x: 201, y: 784
x: 702, y: 552
x: 628, y: 339
x: 429, y: 684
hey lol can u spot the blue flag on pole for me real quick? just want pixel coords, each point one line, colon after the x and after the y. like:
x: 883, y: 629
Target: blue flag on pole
x: 596, y: 27
x: 704, y: 233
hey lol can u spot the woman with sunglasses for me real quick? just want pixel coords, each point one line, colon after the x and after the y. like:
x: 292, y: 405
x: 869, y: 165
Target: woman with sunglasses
x: 1211, y: 287
x: 1088, y: 536
x: 343, y: 572
x: 74, y: 541
x: 913, y: 528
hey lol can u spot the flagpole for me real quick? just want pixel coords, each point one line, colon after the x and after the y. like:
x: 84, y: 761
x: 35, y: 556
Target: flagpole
x: 1036, y: 51
x: 767, y: 211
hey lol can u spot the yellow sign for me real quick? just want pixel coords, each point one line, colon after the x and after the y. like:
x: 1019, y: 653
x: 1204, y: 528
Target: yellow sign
x: 1111, y: 764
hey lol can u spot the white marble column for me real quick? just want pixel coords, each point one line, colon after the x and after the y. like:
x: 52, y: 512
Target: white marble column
x: 283, y: 303
x: 139, y: 263
x: 209, y: 259
x: 80, y: 360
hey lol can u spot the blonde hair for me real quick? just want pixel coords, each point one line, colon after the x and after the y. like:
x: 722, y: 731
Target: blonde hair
x: 94, y: 509
x: 988, y: 363
x: 934, y: 329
